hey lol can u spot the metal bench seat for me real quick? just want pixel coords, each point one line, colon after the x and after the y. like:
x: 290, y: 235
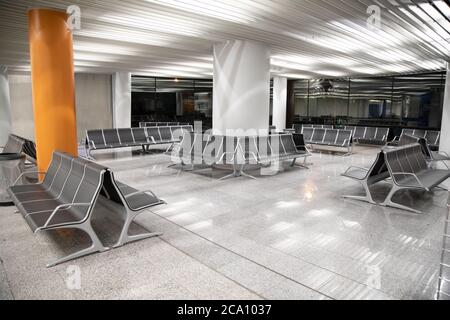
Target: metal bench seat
x: 430, y: 155
x: 38, y: 187
x: 69, y: 207
x: 133, y: 137
x: 368, y: 177
x: 138, y: 200
x: 369, y: 135
x: 126, y: 137
x: 409, y: 170
x: 329, y: 137
x: 432, y: 137
x: 197, y: 148
x: 131, y: 202
x: 426, y: 179
x: 13, y: 145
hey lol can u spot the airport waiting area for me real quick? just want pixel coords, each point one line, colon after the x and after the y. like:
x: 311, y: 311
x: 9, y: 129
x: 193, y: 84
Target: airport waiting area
x: 224, y: 150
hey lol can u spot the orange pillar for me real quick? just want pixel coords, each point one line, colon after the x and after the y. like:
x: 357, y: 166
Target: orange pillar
x: 53, y: 84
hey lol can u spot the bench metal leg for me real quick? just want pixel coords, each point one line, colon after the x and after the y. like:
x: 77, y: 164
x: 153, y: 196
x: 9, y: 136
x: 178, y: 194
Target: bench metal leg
x: 303, y: 165
x: 238, y: 173
x: 349, y: 151
x: 126, y: 238
x: 89, y: 154
x: 170, y: 147
x: 366, y: 198
x: 96, y: 246
x: 389, y: 203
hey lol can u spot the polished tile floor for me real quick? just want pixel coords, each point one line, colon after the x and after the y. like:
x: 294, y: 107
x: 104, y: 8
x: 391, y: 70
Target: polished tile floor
x: 285, y: 236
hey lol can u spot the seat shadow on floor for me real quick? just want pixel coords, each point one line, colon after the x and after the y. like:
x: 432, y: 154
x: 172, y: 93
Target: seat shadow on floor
x: 256, y: 171
x: 106, y: 223
x: 417, y: 199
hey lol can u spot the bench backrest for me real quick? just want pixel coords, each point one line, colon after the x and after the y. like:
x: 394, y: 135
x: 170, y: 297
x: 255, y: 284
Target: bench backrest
x: 95, y: 136
x: 433, y: 137
x: 89, y: 187
x: 62, y: 175
x: 407, y: 159
x: 379, y: 170
x: 287, y: 140
x: 139, y: 135
x: 52, y: 170
x: 307, y: 134
x: 318, y: 135
x: 330, y: 136
x: 154, y: 133
x: 165, y: 133
x: 111, y: 136
x: 406, y: 139
x: 344, y: 137
x: 125, y: 135
x: 13, y: 145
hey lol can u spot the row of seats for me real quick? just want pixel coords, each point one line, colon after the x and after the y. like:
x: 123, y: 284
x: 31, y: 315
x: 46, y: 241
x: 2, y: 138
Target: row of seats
x: 132, y: 137
x: 68, y: 194
x: 318, y: 126
x: 328, y: 137
x: 369, y: 135
x: 201, y: 149
x: 430, y: 155
x: 406, y: 166
x: 158, y: 124
x: 17, y: 144
x: 363, y: 135
x: 431, y: 136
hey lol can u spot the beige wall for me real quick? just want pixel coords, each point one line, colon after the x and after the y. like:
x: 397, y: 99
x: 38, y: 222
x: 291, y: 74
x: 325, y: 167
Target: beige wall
x: 93, y: 101
x: 21, y: 105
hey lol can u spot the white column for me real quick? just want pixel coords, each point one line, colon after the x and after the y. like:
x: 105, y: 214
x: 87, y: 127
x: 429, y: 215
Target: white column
x: 445, y: 127
x: 241, y: 89
x: 279, y: 103
x: 5, y: 106
x: 121, y: 91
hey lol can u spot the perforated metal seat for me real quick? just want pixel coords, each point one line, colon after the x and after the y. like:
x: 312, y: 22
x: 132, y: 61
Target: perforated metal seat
x: 126, y: 137
x: 67, y: 202
x: 139, y: 136
x: 13, y: 145
x: 38, y: 187
x: 318, y: 136
x: 409, y: 170
x: 153, y: 134
x: 308, y: 134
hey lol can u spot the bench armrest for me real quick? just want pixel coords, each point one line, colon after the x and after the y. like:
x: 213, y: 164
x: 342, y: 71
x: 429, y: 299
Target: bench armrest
x: 396, y: 138
x: 225, y: 153
x: 345, y: 143
x: 407, y: 174
x: 64, y: 206
x: 25, y: 173
x: 355, y: 167
x: 140, y: 192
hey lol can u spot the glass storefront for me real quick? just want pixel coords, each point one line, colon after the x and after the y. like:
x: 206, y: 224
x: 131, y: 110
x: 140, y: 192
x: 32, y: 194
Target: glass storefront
x: 401, y: 101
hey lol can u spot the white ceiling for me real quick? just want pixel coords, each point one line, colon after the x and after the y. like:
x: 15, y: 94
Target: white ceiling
x: 308, y: 38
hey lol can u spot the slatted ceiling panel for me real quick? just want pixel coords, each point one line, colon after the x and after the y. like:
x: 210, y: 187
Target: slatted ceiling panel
x: 308, y: 38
